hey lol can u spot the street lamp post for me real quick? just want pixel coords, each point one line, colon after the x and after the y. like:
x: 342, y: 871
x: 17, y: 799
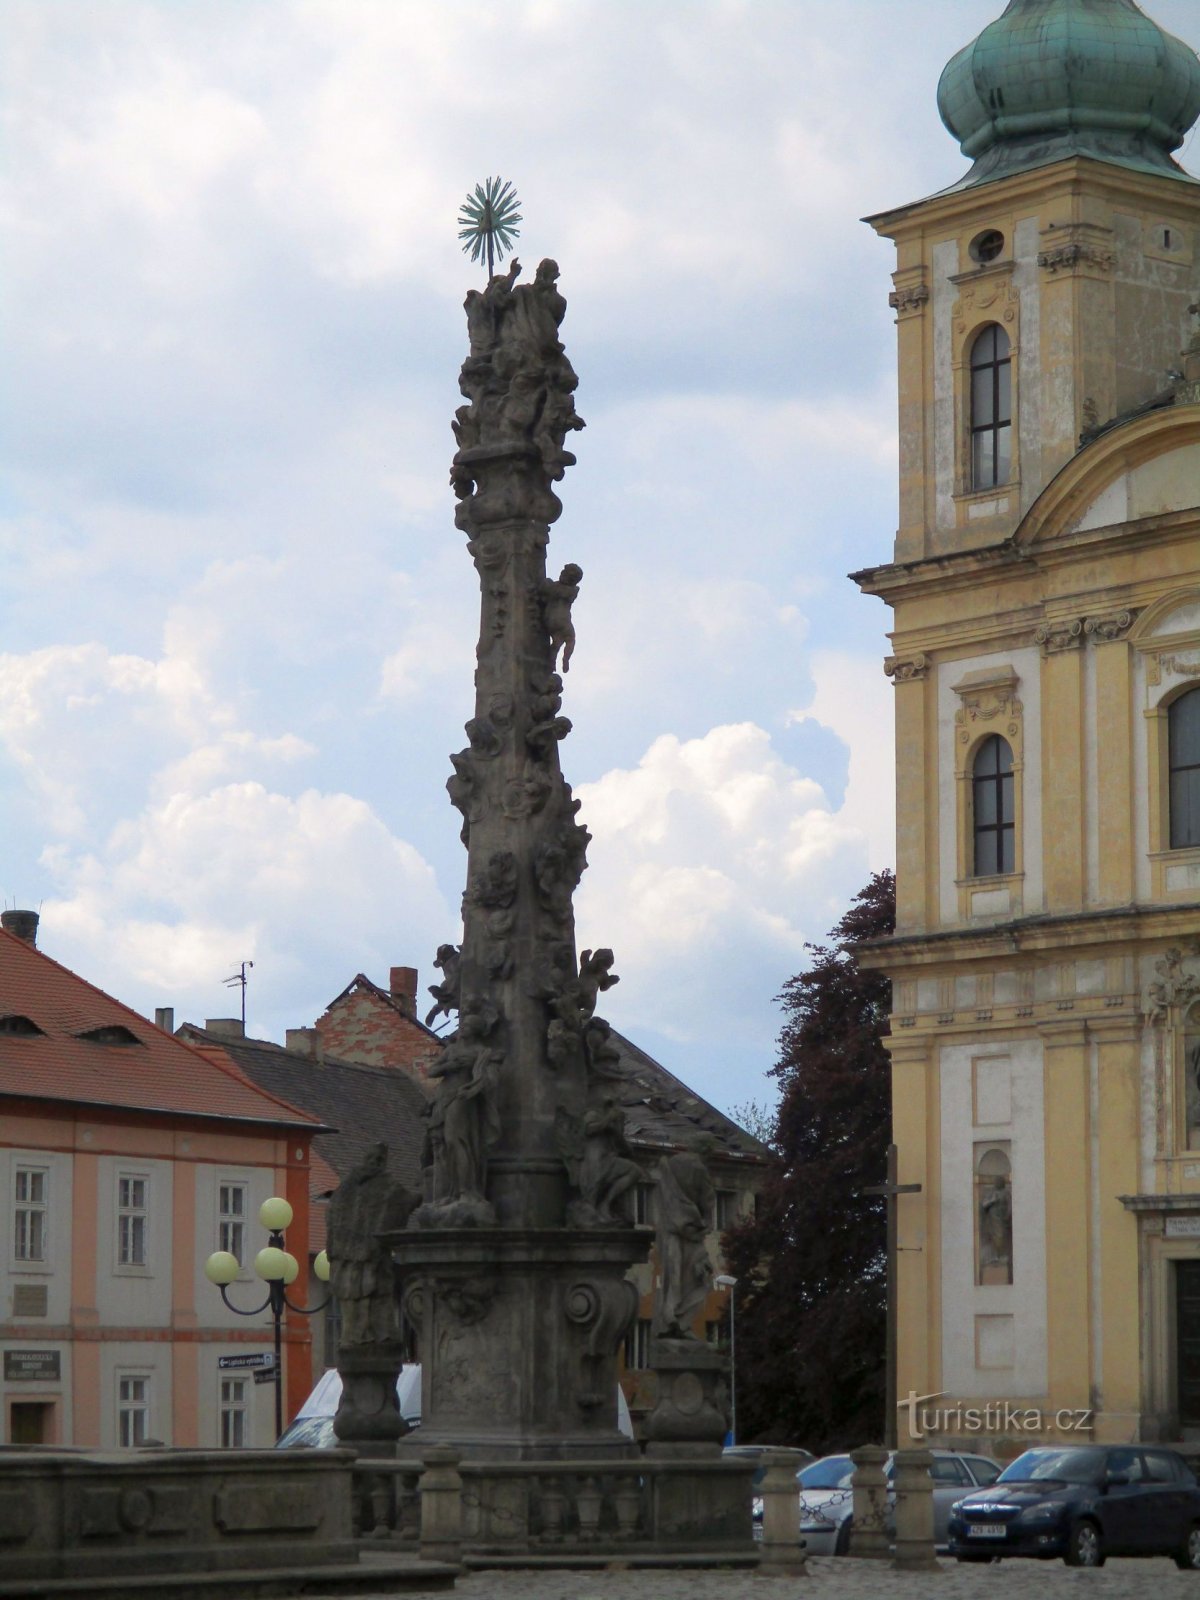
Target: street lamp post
x: 277, y: 1268
x: 724, y: 1281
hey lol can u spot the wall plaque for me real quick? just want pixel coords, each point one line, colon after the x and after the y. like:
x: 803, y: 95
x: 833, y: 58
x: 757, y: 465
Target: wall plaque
x: 1187, y: 1227
x: 30, y: 1366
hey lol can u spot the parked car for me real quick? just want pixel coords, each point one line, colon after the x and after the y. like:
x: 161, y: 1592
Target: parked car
x: 827, y: 1496
x: 313, y: 1424
x: 1084, y: 1503
x: 752, y: 1452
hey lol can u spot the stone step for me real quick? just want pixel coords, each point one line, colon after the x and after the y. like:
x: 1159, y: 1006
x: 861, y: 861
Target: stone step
x: 373, y: 1575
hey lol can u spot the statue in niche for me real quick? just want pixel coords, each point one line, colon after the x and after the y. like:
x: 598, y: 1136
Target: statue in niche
x: 995, y: 1219
x: 463, y: 1118
x: 448, y: 961
x: 1191, y: 1084
x: 686, y: 1198
x: 367, y: 1202
x: 558, y: 595
x: 595, y: 977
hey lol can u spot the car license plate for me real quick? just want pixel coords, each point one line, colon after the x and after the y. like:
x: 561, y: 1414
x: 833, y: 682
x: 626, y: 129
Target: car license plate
x: 986, y: 1530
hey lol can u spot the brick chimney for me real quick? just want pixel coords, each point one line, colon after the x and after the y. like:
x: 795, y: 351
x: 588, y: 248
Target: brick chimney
x: 24, y: 924
x: 403, y: 986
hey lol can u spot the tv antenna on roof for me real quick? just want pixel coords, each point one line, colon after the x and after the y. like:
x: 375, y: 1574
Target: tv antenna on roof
x: 239, y: 981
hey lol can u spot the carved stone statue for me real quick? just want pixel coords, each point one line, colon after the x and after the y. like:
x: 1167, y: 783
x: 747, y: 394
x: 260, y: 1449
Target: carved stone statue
x: 366, y: 1202
x: 608, y: 1171
x: 995, y: 1224
x: 449, y: 963
x: 595, y: 976
x: 558, y: 596
x: 685, y: 1215
x: 463, y: 1120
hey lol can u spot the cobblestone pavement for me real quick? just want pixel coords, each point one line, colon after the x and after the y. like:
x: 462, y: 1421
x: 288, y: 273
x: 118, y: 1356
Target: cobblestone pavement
x: 831, y: 1579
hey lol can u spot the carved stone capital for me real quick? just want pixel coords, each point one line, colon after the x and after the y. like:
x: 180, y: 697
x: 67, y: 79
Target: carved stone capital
x: 908, y: 299
x: 1105, y: 629
x: 1066, y: 634
x: 1068, y: 257
x: 906, y: 671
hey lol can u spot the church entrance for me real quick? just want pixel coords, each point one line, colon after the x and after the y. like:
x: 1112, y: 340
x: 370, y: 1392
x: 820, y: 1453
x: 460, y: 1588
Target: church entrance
x: 1187, y: 1342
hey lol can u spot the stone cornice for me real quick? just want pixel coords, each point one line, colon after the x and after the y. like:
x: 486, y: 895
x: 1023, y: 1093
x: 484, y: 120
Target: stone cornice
x: 1107, y: 931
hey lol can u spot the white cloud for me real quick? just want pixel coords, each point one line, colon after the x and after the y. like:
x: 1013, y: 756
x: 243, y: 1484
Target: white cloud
x: 852, y: 697
x: 713, y: 861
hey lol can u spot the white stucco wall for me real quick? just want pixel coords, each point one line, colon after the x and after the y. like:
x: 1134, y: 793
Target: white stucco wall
x: 963, y: 1300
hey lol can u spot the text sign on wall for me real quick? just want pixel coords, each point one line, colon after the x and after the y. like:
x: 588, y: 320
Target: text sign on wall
x: 258, y: 1358
x: 1183, y: 1227
x: 26, y: 1366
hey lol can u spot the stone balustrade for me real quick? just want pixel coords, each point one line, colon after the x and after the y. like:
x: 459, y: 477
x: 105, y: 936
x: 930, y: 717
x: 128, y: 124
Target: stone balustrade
x: 601, y: 1507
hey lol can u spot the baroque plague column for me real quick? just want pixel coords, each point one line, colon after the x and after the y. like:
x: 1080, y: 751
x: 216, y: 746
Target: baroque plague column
x: 514, y: 1266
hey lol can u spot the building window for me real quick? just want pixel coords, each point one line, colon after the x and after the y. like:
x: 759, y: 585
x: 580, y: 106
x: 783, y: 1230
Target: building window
x: 714, y: 1332
x: 133, y: 1410
x: 231, y: 1206
x: 29, y: 1213
x: 1183, y: 745
x: 727, y: 1209
x: 234, y: 1406
x: 131, y: 1220
x: 992, y: 801
x: 637, y: 1346
x: 991, y: 409
x: 643, y: 1205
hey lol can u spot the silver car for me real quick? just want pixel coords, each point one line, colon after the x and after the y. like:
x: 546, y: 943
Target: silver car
x: 827, y: 1498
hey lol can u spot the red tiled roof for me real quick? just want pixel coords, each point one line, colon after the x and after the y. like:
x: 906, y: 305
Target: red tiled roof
x: 157, y: 1073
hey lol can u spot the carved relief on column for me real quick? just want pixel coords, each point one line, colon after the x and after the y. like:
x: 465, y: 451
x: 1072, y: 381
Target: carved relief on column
x: 911, y: 294
x: 1082, y: 248
x: 906, y: 671
x: 1114, y: 625
x: 1065, y: 633
x: 1167, y: 1002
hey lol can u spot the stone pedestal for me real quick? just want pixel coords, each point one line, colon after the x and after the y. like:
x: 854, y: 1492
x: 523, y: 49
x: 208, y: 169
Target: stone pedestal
x: 914, y: 1512
x: 780, y: 1548
x: 692, y: 1414
x: 368, y: 1415
x: 869, y: 1536
x: 519, y: 1331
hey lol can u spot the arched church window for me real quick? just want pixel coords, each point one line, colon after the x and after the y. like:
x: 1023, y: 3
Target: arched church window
x: 1183, y: 744
x: 993, y: 1215
x: 992, y: 807
x: 991, y: 408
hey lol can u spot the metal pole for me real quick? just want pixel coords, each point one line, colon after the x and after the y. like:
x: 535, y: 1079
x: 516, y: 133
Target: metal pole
x: 733, y: 1363
x: 277, y: 1313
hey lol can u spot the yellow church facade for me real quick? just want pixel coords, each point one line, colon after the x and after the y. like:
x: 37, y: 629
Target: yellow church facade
x: 1045, y: 586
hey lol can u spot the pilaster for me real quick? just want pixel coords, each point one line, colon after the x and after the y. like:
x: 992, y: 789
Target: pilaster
x: 1068, y: 1253
x: 1063, y: 777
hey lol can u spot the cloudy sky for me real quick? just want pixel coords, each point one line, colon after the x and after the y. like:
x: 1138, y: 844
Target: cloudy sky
x: 236, y: 621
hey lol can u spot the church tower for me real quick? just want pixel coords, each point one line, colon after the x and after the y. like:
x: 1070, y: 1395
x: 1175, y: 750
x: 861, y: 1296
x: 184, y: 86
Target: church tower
x: 1045, y: 1035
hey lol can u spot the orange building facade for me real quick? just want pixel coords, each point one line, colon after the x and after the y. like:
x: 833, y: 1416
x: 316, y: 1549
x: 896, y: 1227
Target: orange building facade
x: 126, y: 1158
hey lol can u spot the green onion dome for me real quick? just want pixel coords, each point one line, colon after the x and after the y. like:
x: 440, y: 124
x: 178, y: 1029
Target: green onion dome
x: 1056, y: 78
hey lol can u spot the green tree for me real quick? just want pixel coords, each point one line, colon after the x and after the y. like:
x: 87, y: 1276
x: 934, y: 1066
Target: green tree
x: 811, y: 1264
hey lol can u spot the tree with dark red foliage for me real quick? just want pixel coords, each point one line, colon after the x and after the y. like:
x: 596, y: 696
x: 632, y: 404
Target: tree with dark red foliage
x: 811, y: 1265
